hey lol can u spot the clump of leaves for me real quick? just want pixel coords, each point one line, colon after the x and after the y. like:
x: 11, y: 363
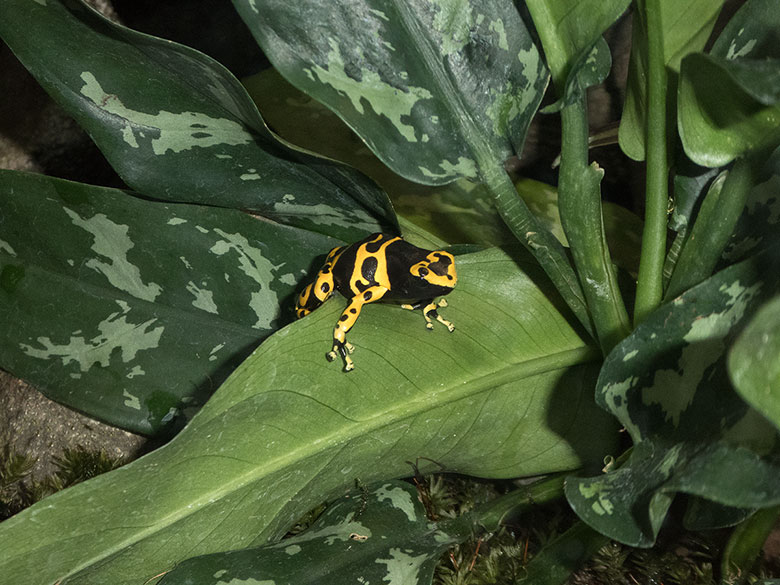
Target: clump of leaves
x: 14, y: 468
x: 509, y: 395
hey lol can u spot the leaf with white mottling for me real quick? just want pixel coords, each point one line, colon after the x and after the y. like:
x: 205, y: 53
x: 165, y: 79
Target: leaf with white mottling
x: 402, y: 75
x: 758, y: 228
x: 177, y: 126
x: 378, y: 535
x: 667, y: 384
x: 289, y: 429
x: 134, y: 311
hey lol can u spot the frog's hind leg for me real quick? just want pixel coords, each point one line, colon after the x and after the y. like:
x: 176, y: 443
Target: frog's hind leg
x: 429, y: 309
x: 348, y: 318
x: 320, y: 290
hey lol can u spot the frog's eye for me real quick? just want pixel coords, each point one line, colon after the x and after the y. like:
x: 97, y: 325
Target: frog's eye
x: 423, y: 272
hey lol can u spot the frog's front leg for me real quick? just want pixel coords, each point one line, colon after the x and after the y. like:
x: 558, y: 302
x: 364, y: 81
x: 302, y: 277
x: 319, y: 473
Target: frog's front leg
x: 429, y: 309
x: 348, y: 318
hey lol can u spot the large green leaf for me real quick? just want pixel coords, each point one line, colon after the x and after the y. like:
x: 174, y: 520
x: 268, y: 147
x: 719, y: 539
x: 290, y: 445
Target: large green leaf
x: 178, y: 126
x: 686, y: 28
x: 667, y: 384
x: 438, y: 90
x: 460, y: 212
x: 729, y: 100
x: 754, y: 362
x: 133, y: 310
x: 507, y: 394
x: 379, y: 535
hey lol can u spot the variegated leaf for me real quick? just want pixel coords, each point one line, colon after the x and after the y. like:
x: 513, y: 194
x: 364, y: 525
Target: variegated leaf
x: 404, y: 76
x: 667, y: 384
x: 379, y: 535
x: 506, y: 394
x: 177, y: 126
x: 758, y: 227
x: 729, y: 99
x: 132, y: 310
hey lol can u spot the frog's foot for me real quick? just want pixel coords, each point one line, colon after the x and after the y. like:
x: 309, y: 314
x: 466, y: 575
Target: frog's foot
x: 344, y: 349
x: 430, y: 312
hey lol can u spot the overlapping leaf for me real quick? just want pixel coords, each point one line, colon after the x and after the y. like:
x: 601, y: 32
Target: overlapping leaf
x: 404, y: 76
x: 729, y: 100
x: 754, y: 362
x: 178, y: 126
x: 376, y: 536
x: 570, y: 29
x: 758, y: 227
x: 667, y: 384
x: 132, y: 310
x: 686, y: 28
x: 501, y: 396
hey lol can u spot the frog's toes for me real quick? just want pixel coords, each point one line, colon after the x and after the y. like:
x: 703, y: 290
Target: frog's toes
x: 349, y: 346
x: 446, y: 323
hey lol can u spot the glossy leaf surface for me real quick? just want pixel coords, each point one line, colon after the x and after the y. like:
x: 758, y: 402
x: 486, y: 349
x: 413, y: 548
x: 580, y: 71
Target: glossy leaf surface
x: 377, y: 536
x: 403, y: 76
x: 729, y: 100
x: 177, y: 126
x: 667, y: 384
x: 132, y: 310
x: 754, y: 362
x: 507, y: 394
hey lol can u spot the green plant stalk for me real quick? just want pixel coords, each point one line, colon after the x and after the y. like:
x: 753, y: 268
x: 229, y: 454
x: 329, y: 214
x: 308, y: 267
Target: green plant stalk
x: 650, y: 282
x: 491, y: 516
x: 715, y: 223
x: 538, y: 240
x: 745, y: 544
x: 579, y: 202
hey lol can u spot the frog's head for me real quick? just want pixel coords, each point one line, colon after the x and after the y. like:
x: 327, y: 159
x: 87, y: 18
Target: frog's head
x: 437, y: 269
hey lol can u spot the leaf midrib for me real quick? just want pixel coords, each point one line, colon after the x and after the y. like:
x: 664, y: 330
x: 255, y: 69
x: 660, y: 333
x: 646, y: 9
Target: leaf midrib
x: 339, y: 437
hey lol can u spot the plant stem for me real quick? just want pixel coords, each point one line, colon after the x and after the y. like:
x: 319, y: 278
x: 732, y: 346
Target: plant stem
x: 579, y: 201
x: 715, y: 223
x: 538, y: 240
x: 489, y: 517
x: 650, y: 281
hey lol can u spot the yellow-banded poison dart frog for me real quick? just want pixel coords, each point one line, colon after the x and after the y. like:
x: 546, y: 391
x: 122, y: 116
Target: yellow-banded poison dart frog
x: 379, y: 267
